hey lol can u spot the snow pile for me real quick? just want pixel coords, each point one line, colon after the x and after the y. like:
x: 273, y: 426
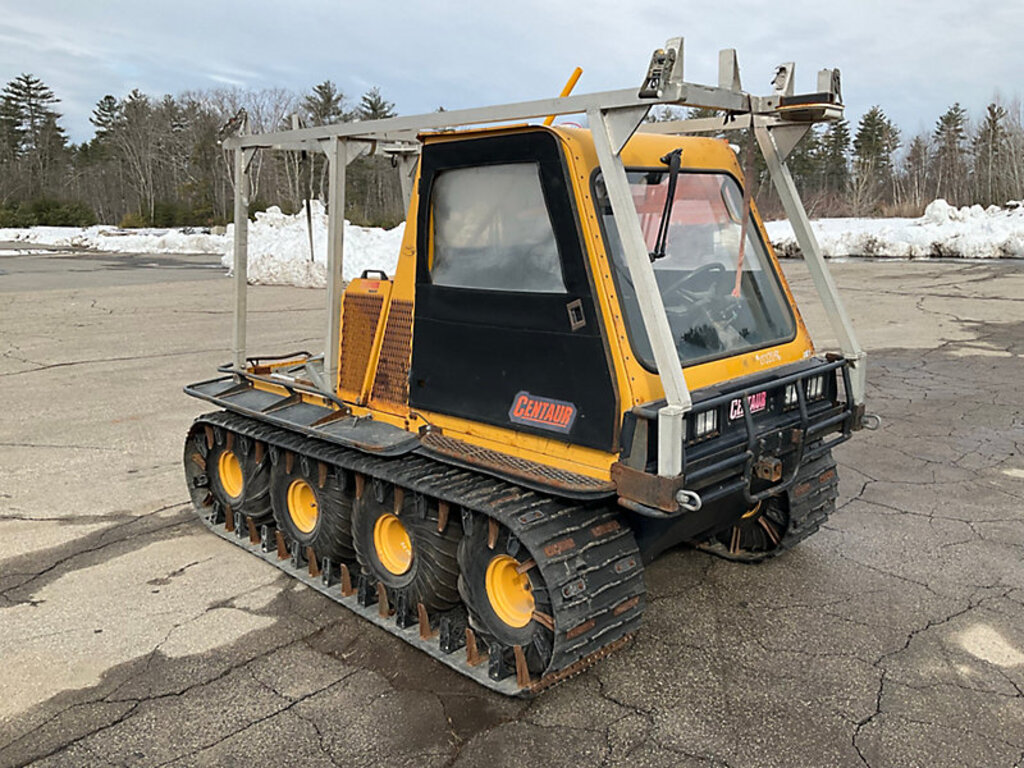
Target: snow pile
x: 943, y: 232
x: 278, y: 245
x: 279, y: 249
x: 107, y: 238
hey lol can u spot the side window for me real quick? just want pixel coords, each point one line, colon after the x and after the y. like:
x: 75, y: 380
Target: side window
x: 491, y: 230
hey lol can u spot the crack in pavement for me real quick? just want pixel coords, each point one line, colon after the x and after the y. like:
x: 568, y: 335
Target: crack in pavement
x: 931, y: 624
x: 103, y: 544
x: 60, y: 445
x: 292, y: 702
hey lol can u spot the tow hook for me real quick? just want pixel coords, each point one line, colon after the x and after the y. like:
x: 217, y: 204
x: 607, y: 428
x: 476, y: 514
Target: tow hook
x: 769, y: 468
x: 871, y: 421
x: 689, y: 500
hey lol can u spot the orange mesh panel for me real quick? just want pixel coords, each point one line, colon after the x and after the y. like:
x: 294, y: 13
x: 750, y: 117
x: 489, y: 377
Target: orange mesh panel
x: 360, y: 315
x: 391, y: 383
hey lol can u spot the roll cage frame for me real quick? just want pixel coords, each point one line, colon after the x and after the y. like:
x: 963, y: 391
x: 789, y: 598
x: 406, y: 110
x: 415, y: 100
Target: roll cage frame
x: 778, y: 122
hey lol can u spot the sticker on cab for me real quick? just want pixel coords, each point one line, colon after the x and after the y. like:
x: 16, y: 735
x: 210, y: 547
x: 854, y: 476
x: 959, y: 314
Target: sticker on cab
x: 543, y: 412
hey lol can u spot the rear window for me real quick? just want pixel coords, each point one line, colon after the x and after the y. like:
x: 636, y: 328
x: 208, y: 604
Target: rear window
x: 492, y: 231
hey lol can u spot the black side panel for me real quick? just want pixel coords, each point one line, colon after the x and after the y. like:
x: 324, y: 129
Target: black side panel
x: 482, y: 380
x: 474, y: 351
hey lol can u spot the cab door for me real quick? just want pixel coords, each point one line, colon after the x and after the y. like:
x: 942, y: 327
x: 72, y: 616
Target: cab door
x: 506, y: 329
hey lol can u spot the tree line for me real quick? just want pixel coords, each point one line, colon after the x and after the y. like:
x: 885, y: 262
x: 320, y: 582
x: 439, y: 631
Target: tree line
x: 158, y: 161
x: 875, y: 171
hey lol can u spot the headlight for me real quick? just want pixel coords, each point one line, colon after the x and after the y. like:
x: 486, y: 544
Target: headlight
x: 816, y: 387
x: 790, y: 398
x: 705, y: 423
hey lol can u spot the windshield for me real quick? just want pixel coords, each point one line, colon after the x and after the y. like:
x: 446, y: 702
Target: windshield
x: 710, y: 314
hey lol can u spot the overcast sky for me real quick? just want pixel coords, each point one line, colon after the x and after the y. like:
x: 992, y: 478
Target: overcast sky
x: 912, y: 58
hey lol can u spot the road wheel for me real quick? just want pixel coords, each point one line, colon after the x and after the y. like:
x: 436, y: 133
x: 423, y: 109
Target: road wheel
x: 507, y: 599
x: 400, y: 546
x: 312, y: 504
x: 236, y: 471
x: 224, y: 468
x: 755, y: 536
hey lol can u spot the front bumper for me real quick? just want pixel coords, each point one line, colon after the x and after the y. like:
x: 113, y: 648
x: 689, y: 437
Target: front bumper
x: 764, y: 427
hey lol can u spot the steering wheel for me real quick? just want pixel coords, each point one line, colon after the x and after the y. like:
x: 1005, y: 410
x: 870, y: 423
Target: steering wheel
x: 679, y: 285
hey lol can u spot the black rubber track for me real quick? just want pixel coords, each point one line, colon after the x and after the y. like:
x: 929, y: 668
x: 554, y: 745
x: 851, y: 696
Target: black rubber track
x: 256, y: 471
x: 475, y: 554
x: 586, y: 555
x: 800, y: 512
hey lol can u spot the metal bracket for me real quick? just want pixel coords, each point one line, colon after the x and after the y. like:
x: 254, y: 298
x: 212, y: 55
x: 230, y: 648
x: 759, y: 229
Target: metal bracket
x: 782, y: 82
x: 788, y: 136
x: 407, y: 163
x: 830, y: 82
x: 621, y: 124
x: 729, y: 70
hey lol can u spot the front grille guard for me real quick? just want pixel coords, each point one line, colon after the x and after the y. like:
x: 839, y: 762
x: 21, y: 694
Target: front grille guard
x: 803, y: 433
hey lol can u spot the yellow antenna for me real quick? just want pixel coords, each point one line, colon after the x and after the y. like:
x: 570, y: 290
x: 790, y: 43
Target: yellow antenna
x: 569, y: 85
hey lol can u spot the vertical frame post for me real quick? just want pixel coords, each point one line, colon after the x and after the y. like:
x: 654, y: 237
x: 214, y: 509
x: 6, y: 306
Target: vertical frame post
x: 815, y: 261
x: 241, y: 255
x: 337, y: 157
x: 671, y: 433
x: 406, y: 172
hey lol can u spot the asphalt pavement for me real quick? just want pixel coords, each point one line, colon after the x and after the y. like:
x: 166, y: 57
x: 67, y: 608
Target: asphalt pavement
x: 130, y: 635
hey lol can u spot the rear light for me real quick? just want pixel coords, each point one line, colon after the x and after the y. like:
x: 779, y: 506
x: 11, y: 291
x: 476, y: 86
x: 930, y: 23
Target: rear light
x: 704, y: 424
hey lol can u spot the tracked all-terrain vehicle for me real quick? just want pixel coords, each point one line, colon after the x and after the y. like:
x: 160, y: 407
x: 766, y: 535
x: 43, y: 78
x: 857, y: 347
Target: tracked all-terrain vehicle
x: 587, y: 354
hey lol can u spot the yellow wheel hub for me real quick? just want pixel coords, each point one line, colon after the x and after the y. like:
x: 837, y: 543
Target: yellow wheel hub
x: 302, y: 506
x: 393, y: 545
x: 230, y: 470
x: 510, y: 592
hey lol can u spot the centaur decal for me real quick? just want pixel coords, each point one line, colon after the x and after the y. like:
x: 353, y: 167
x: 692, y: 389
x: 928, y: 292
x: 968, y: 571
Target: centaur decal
x: 542, y: 412
x: 757, y: 402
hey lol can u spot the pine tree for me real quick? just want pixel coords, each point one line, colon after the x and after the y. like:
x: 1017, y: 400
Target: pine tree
x: 325, y: 105
x: 834, y: 157
x: 874, y: 145
x: 373, y: 106
x: 876, y: 141
x: 12, y: 131
x: 950, y: 158
x: 915, y: 170
x: 105, y: 116
x: 34, y: 102
x: 31, y: 127
x: 990, y: 154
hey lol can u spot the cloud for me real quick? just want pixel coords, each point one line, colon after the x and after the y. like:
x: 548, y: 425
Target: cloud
x: 912, y: 58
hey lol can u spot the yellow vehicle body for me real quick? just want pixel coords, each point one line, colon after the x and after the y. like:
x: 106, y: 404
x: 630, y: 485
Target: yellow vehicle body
x: 433, y: 490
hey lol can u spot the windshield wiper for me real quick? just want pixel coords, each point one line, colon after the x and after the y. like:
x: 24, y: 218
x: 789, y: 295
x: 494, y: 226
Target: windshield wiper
x: 673, y: 160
